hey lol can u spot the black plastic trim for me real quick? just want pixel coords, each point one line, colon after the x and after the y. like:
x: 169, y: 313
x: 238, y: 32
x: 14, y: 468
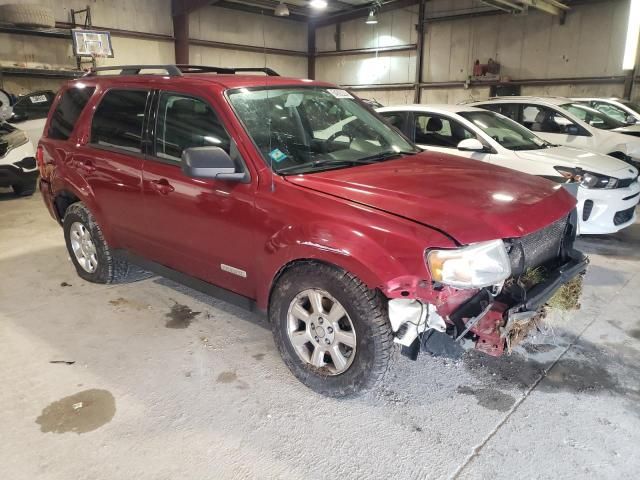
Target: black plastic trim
x: 194, y: 283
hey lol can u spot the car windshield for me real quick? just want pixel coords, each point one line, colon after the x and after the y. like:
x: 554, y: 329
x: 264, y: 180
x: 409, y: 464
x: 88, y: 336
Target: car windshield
x: 505, y: 131
x: 304, y: 129
x: 593, y: 117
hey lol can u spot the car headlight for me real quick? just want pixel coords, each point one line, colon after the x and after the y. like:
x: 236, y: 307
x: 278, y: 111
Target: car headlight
x: 587, y: 179
x: 473, y: 266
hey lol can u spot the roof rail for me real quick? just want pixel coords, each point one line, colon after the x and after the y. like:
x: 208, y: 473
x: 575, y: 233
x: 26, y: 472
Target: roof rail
x: 225, y: 70
x: 172, y: 70
x: 178, y: 70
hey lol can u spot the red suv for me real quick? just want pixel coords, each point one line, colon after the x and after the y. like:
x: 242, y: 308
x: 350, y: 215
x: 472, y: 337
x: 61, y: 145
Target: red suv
x: 294, y: 198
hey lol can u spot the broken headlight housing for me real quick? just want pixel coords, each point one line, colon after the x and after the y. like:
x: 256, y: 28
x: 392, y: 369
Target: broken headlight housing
x: 587, y: 179
x: 473, y: 266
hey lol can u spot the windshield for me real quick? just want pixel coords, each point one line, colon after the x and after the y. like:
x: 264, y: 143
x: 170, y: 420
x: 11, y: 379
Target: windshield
x: 300, y: 129
x: 632, y: 105
x: 592, y: 116
x: 505, y: 131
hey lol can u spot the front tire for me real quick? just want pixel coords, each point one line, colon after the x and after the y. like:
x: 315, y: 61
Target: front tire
x: 91, y: 255
x: 331, y: 330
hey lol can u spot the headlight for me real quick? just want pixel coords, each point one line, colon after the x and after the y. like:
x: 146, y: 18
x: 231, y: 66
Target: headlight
x: 587, y: 179
x: 474, y: 266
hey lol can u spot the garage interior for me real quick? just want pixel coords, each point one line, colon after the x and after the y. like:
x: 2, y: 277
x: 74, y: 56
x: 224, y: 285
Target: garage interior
x: 181, y: 384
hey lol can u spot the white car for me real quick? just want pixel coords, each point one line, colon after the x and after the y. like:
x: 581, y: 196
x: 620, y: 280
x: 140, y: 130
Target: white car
x: 563, y: 121
x: 18, y: 167
x: 608, y: 190
x: 617, y: 108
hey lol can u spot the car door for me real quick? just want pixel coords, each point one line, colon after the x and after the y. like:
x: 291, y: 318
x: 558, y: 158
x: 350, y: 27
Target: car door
x: 441, y: 133
x: 111, y: 163
x: 201, y: 227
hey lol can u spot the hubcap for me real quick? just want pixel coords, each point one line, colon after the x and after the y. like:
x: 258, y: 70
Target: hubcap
x: 321, y: 331
x: 83, y: 247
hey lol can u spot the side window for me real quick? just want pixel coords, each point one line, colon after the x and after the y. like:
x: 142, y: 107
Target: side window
x: 611, y: 110
x: 185, y: 122
x: 67, y: 112
x: 395, y: 118
x: 439, y: 131
x: 543, y: 119
x: 118, y: 120
x: 507, y: 109
x: 32, y: 106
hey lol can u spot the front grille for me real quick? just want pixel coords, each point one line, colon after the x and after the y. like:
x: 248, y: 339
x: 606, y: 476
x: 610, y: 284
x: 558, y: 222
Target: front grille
x: 623, y: 216
x: 586, y: 210
x: 537, y: 248
x: 626, y: 182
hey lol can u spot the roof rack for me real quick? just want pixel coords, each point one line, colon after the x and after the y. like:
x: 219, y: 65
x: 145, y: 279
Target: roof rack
x: 179, y: 70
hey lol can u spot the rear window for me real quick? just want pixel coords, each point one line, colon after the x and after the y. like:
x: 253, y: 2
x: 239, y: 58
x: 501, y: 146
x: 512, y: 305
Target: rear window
x: 118, y: 120
x: 67, y: 112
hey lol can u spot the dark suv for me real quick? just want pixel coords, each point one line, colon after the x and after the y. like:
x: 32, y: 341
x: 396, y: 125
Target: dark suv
x: 294, y: 198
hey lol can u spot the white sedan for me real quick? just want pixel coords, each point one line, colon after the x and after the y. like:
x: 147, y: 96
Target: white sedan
x: 566, y: 122
x: 608, y: 189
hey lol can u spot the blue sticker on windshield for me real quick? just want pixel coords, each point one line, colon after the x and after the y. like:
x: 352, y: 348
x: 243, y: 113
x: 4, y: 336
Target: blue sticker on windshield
x: 277, y: 155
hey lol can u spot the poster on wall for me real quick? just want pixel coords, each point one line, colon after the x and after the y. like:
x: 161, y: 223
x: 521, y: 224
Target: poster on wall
x: 91, y: 43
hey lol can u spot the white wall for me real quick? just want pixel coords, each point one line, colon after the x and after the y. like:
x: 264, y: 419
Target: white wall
x: 394, y: 28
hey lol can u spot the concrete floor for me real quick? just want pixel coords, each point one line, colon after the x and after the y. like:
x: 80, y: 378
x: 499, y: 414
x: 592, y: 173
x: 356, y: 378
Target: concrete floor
x: 169, y: 384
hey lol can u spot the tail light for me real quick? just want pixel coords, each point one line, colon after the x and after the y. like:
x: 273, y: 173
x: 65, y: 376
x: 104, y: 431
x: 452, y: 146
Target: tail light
x: 40, y: 160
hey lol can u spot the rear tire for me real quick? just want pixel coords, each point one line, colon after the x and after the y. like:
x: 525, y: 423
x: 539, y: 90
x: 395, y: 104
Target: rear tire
x: 364, y: 323
x: 91, y: 255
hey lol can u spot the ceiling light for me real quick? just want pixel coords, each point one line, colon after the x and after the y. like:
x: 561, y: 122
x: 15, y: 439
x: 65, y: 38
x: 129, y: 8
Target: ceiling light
x: 281, y: 10
x: 631, y: 44
x: 318, y: 3
x: 372, y: 19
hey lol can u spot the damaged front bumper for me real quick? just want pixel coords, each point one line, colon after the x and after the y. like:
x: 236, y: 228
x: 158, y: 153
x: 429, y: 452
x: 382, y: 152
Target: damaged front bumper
x: 487, y: 319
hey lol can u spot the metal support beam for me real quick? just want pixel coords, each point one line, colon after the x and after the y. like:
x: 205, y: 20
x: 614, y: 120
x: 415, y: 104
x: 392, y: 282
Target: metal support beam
x: 181, y: 36
x: 552, y: 7
x: 182, y: 7
x: 311, y: 50
x: 364, y: 51
x: 420, y: 30
x: 628, y: 84
x: 338, y: 37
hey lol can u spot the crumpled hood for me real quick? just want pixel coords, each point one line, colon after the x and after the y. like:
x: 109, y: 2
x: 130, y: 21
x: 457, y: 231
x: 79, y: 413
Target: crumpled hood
x: 469, y: 200
x: 587, y: 160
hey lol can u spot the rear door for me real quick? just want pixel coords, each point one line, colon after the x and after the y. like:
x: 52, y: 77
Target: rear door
x: 111, y: 163
x: 203, y: 228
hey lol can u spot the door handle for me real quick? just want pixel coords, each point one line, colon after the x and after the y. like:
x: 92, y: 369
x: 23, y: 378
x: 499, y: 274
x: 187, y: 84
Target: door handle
x: 162, y: 186
x: 87, y: 166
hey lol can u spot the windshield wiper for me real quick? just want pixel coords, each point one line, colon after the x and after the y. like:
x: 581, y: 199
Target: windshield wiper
x: 356, y: 161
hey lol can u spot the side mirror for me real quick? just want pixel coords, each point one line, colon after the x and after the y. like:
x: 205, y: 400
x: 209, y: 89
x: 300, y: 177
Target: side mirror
x: 573, y: 129
x: 631, y: 120
x: 471, y: 145
x: 210, y: 162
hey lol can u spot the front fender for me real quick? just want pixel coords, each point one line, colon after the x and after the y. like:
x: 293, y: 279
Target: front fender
x: 393, y: 265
